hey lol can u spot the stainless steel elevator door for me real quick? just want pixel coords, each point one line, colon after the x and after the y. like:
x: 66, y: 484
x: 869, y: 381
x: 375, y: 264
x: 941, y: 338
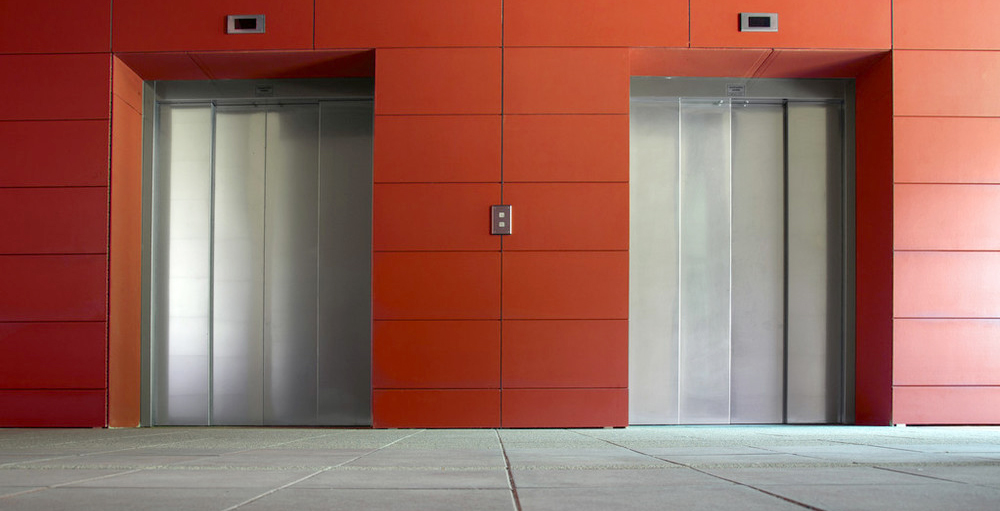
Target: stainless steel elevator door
x: 261, y: 264
x: 736, y: 259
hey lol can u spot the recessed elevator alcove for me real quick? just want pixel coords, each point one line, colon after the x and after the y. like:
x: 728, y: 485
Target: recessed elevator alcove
x: 741, y: 253
x: 261, y: 252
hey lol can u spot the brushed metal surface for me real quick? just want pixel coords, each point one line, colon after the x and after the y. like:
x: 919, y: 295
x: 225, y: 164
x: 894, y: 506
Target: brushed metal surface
x: 758, y: 263
x: 653, y: 261
x: 181, y: 267
x: 814, y: 262
x: 705, y: 253
x: 290, y: 265
x: 238, y: 264
x: 345, y: 205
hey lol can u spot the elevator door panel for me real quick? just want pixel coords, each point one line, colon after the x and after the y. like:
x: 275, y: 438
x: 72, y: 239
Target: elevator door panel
x: 704, y: 287
x: 283, y: 266
x: 736, y: 254
x: 758, y: 263
x: 238, y: 267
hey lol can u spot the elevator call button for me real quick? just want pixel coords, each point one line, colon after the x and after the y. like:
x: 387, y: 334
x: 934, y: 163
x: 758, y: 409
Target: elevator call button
x: 500, y: 219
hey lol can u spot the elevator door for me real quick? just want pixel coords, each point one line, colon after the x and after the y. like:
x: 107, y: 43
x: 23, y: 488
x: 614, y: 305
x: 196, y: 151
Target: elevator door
x: 736, y: 260
x: 261, y: 264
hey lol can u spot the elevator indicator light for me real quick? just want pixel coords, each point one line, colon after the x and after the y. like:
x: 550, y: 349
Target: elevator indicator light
x: 758, y: 22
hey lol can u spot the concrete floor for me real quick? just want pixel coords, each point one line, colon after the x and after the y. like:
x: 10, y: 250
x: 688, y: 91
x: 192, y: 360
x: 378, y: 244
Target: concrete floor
x: 680, y: 467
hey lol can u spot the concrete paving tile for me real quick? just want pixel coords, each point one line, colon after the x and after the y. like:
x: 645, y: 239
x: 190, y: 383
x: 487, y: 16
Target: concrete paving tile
x: 28, y: 477
x: 432, y: 458
x: 278, y: 458
x: 743, y: 460
x: 104, y: 499
x: 397, y: 500
x: 613, y: 478
x: 352, y: 439
x: 974, y: 448
x: 868, y: 454
x: 723, y: 497
x: 570, y: 458
x: 985, y: 475
x: 855, y: 475
x: 720, y: 450
x: 451, y: 439
x: 372, y: 478
x: 554, y: 438
x: 111, y: 461
x: 925, y: 497
x: 262, y: 480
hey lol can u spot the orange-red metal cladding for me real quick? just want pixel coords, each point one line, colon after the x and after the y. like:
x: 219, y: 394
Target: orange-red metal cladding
x: 436, y: 354
x: 437, y: 81
x: 953, y: 25
x: 565, y: 354
x: 947, y: 150
x: 560, y: 23
x: 437, y: 148
x: 565, y: 148
x: 946, y: 217
x: 453, y: 408
x: 56, y: 26
x: 568, y: 216
x: 560, y: 408
x: 196, y: 25
x: 433, y: 216
x: 937, y: 352
x: 391, y: 23
x: 824, y: 24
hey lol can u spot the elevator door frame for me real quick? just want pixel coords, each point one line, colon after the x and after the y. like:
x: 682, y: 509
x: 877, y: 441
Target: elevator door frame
x: 779, y: 91
x: 249, y: 93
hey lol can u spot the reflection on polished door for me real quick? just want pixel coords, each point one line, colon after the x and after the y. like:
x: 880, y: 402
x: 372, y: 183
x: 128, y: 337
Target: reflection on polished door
x: 261, y: 264
x: 737, y: 301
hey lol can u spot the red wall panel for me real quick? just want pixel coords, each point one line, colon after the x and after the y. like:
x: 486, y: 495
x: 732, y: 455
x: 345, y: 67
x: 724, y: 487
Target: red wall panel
x: 874, y: 255
x: 450, y: 216
x: 946, y: 217
x: 191, y: 25
x: 565, y: 148
x: 568, y: 216
x: 54, y: 220
x: 566, y: 80
x: 947, y: 285
x: 54, y: 288
x: 437, y: 408
x: 55, y: 26
x: 543, y: 354
x: 52, y: 355
x: 815, y: 24
x: 947, y: 150
x: 956, y: 24
x: 437, y: 148
x: 595, y: 22
x: 946, y: 352
x: 436, y: 285
x: 381, y: 23
x: 37, y: 87
x: 30, y: 159
x: 946, y: 405
x: 124, y: 261
x: 438, y: 81
x: 52, y: 408
x: 695, y: 61
x: 947, y: 83
x: 817, y: 64
x: 561, y: 408
x: 436, y: 354
x: 565, y: 285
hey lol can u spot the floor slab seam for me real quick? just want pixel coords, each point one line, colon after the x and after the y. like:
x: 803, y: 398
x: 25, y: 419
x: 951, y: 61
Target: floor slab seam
x: 510, y: 474
x: 59, y: 485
